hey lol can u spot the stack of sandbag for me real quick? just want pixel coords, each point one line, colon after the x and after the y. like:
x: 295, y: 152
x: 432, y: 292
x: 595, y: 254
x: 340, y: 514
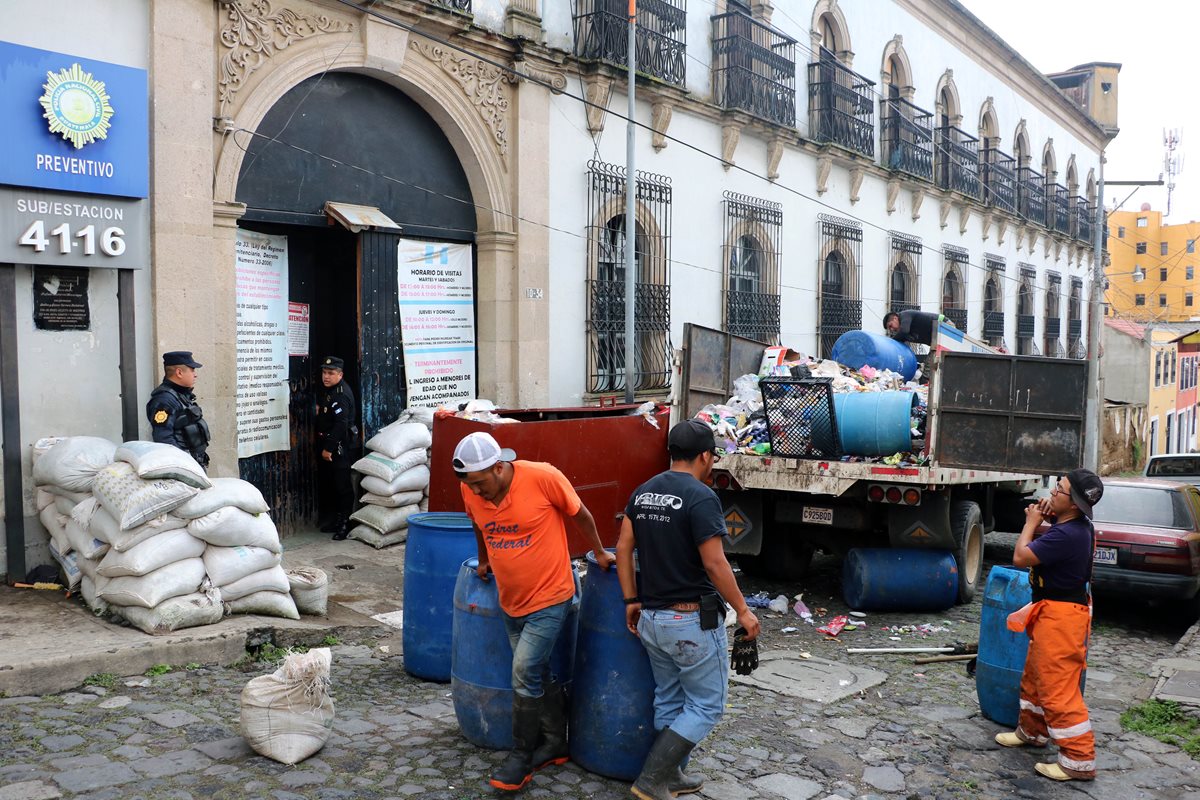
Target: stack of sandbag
x: 64, y: 470
x: 395, y: 480
x: 240, y: 550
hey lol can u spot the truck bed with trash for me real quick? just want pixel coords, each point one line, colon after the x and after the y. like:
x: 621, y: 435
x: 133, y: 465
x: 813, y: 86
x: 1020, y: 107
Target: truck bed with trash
x: 873, y: 451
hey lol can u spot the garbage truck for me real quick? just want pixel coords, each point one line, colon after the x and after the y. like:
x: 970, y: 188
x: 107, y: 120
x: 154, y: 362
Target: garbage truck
x: 995, y: 425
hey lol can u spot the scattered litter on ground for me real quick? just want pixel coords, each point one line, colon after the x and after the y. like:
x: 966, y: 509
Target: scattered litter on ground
x: 758, y: 600
x: 834, y: 626
x: 779, y: 605
x: 789, y: 629
x: 858, y: 614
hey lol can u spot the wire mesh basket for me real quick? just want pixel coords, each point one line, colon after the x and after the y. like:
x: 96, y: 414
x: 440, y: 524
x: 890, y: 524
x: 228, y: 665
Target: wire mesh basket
x: 801, y: 421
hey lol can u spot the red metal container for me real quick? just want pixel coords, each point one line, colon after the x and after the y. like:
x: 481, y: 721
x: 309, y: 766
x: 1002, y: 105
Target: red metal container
x: 606, y: 453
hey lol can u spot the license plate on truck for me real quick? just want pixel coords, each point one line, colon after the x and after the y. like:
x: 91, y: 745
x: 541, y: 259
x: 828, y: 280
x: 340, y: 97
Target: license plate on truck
x: 817, y: 516
x: 1105, y: 555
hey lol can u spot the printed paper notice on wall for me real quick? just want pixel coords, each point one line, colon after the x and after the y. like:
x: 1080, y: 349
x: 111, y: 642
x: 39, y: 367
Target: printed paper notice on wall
x: 437, y: 319
x: 297, y: 329
x: 262, y: 343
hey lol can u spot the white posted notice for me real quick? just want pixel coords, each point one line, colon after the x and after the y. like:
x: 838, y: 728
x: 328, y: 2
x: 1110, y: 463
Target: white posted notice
x: 437, y: 318
x: 262, y: 343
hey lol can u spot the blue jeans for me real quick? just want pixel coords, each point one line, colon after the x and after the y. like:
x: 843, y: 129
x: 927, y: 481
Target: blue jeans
x: 691, y: 671
x: 533, y: 637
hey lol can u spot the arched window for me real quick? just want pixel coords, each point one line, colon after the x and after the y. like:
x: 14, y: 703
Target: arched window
x: 833, y: 277
x: 900, y: 291
x: 745, y: 265
x: 952, y: 289
x: 992, y: 296
x: 829, y: 36
x: 611, y: 260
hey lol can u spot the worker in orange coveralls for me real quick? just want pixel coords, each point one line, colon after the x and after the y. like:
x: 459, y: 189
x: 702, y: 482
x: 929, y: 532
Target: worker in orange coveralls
x: 1058, y: 623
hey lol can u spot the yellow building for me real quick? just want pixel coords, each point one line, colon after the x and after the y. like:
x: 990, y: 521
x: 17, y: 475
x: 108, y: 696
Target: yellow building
x: 1152, y: 274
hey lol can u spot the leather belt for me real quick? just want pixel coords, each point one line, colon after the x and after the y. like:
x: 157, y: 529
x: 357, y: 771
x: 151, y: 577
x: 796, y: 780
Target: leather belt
x: 684, y: 607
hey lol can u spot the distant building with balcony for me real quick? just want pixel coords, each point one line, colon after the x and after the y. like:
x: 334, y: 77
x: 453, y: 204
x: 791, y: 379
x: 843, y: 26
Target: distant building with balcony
x: 1151, y: 274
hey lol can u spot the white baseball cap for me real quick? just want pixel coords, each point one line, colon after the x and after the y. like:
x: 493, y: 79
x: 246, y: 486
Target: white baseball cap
x: 478, y: 451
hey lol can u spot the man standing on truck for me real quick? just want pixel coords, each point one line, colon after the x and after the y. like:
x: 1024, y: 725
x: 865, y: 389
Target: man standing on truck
x: 911, y: 326
x: 519, y: 510
x: 1058, y: 624
x: 675, y: 522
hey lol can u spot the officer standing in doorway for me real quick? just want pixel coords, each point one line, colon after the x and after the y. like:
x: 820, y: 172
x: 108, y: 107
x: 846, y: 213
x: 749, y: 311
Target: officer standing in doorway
x: 175, y: 416
x: 337, y: 429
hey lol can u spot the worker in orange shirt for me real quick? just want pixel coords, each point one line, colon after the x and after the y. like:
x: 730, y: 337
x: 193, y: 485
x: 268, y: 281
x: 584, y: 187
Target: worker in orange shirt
x: 519, y: 510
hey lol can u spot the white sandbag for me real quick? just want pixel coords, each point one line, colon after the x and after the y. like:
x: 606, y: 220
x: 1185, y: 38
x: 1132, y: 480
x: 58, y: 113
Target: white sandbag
x: 268, y: 604
x: 87, y: 567
x: 383, y: 519
x: 287, y: 716
x: 310, y: 590
x: 43, y: 445
x: 58, y: 491
x: 155, y: 460
x: 424, y: 504
x: 388, y: 469
x: 82, y: 542
x: 225, y: 565
x: 68, y: 562
x: 368, y: 535
x: 83, y: 513
x: 225, y: 492
x: 55, y: 525
x: 105, y: 528
x: 230, y: 527
x: 176, y: 613
x: 392, y: 500
x: 421, y: 415
x: 151, y: 554
x: 271, y: 579
x: 42, y: 498
x: 414, y: 480
x: 87, y: 590
x: 147, y: 591
x: 132, y: 500
x: 72, y: 464
x: 399, y: 438
x: 64, y: 505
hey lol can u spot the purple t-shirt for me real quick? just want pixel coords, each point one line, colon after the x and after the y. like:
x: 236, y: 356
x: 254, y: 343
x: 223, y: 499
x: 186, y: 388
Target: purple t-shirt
x: 1065, y: 553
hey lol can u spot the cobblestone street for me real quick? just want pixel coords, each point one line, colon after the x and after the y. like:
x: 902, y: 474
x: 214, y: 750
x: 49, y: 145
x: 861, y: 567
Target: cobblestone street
x: 919, y: 734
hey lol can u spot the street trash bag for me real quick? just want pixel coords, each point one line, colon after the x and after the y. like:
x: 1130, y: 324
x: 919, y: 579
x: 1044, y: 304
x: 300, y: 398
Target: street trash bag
x: 153, y: 553
x: 187, y: 611
x: 412, y: 480
x: 154, y: 460
x: 132, y: 500
x: 272, y: 579
x: 230, y: 527
x: 72, y: 463
x: 266, y: 603
x: 225, y: 492
x: 392, y: 500
x: 397, y: 439
x: 228, y: 564
x: 147, y: 591
x: 287, y: 716
x: 383, y: 519
x: 388, y: 469
x: 310, y: 590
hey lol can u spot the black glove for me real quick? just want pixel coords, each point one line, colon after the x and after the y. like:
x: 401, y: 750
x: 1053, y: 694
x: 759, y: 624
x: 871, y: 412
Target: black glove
x: 745, y: 653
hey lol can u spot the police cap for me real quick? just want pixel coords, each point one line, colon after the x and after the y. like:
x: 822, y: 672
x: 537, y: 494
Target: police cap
x: 332, y: 362
x: 180, y: 358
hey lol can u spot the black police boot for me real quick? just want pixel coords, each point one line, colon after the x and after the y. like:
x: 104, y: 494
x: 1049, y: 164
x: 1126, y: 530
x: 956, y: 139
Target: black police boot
x: 552, y: 749
x: 343, y: 528
x: 517, y: 769
x: 661, y: 765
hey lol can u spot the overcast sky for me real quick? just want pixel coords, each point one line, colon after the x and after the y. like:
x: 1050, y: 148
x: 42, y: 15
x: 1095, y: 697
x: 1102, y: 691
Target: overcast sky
x: 1155, y: 42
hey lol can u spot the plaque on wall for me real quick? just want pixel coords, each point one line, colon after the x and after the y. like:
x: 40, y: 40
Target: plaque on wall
x: 60, y: 299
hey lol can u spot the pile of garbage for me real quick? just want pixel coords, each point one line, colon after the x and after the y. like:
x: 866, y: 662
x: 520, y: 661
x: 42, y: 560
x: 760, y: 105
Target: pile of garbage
x: 145, y: 535
x: 395, y: 479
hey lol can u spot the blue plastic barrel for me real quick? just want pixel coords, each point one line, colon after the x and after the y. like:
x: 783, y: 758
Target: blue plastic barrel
x: 856, y: 348
x: 899, y: 579
x: 438, y: 543
x: 1001, y: 657
x: 612, y: 710
x: 481, y: 660
x: 875, y: 423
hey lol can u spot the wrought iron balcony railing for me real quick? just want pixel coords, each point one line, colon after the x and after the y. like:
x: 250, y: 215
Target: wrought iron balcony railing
x: 958, y: 161
x: 1000, y: 180
x: 454, y: 5
x: 1084, y: 220
x: 841, y: 110
x: 993, y: 323
x: 602, y: 34
x: 906, y: 138
x: 1031, y: 195
x: 754, y: 68
x: 1062, y: 209
x: 838, y: 314
x: 958, y: 316
x: 903, y: 305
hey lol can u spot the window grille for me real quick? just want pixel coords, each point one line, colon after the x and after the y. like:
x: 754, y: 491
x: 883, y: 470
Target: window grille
x: 841, y: 109
x: 605, y: 322
x: 753, y: 232
x: 956, y: 265
x: 904, y: 273
x: 993, y: 300
x: 602, y: 34
x: 1053, y: 319
x: 1075, y: 348
x: 1026, y: 319
x: 839, y: 263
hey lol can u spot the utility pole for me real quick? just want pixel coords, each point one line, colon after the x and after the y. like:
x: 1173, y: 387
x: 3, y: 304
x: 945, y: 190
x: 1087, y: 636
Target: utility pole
x: 630, y: 215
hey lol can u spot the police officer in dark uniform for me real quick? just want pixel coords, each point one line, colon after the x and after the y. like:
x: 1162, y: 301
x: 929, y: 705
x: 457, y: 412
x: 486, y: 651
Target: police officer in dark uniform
x: 337, y: 429
x: 175, y: 416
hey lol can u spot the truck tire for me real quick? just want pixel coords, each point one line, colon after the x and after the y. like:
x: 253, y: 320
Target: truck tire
x: 966, y: 522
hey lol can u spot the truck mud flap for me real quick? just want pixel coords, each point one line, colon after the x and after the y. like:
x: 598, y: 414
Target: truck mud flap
x: 923, y: 526
x: 744, y: 522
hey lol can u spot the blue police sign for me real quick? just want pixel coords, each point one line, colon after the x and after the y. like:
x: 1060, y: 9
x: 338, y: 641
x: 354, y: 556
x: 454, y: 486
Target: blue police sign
x: 73, y: 124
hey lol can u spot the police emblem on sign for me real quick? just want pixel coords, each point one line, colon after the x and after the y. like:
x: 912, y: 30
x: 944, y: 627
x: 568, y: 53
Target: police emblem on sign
x: 76, y: 106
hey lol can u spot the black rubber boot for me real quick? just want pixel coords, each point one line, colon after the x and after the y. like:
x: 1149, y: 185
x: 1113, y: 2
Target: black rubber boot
x: 552, y: 747
x: 343, y: 528
x: 684, y: 783
x: 517, y: 768
x: 662, y: 763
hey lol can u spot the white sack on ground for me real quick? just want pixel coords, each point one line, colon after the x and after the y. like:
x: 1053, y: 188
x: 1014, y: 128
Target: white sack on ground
x: 155, y: 460
x: 272, y: 579
x: 225, y: 492
x: 186, y: 611
x: 267, y: 604
x: 225, y: 565
x: 388, y: 469
x: 369, y: 535
x: 151, y: 554
x: 87, y: 590
x: 106, y: 529
x: 414, y: 480
x: 287, y: 716
x: 147, y: 591
x: 72, y: 464
x: 70, y: 567
x: 230, y: 527
x: 310, y: 590
x: 132, y: 501
x: 82, y: 542
x: 87, y: 567
x: 383, y: 519
x: 392, y: 500
x: 399, y: 438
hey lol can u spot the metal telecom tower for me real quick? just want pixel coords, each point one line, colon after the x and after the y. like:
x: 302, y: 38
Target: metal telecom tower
x: 1172, y: 161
